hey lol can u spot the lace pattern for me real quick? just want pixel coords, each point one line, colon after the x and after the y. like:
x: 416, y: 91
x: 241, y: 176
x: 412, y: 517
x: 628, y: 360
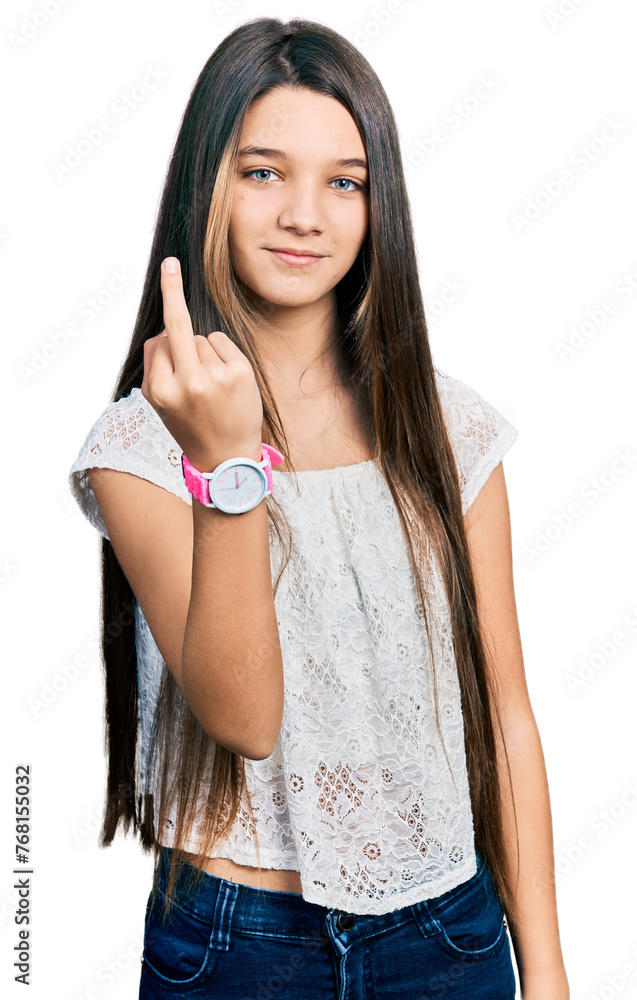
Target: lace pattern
x: 357, y: 795
x: 129, y: 436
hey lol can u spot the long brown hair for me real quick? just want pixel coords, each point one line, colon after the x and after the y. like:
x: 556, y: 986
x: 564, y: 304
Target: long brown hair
x: 383, y: 359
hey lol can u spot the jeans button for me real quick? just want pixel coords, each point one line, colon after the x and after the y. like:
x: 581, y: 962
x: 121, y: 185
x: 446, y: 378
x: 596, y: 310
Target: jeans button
x: 345, y: 921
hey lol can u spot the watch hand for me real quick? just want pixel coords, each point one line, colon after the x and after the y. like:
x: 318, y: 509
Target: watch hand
x: 236, y: 477
x: 226, y: 489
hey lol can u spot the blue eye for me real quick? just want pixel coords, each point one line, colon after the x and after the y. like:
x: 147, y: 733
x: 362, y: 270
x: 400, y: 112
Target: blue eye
x: 266, y: 170
x: 356, y: 184
x: 258, y: 170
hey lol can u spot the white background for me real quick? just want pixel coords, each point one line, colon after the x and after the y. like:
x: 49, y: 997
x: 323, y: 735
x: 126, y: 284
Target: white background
x: 556, y: 80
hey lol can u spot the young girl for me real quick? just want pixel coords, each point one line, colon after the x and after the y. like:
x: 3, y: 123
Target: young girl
x: 309, y: 522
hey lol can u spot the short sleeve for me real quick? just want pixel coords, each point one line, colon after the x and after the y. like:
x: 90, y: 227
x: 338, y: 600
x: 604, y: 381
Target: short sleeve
x: 480, y: 434
x: 131, y: 437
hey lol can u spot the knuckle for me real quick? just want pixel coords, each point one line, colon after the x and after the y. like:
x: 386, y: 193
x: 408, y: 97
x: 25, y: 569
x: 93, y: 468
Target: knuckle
x: 195, y: 385
x: 203, y: 349
x: 244, y: 367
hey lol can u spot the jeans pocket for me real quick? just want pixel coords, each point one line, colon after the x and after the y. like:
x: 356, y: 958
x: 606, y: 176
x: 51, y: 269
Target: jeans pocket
x: 470, y: 921
x: 177, y: 949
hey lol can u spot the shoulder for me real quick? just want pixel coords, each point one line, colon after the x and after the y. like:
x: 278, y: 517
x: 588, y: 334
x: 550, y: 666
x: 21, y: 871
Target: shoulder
x: 129, y: 436
x: 480, y: 434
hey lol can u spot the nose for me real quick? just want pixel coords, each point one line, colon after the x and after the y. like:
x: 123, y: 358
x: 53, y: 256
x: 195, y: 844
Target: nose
x: 302, y: 210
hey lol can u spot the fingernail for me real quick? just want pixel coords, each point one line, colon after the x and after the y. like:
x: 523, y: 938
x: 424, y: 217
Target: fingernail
x: 171, y: 264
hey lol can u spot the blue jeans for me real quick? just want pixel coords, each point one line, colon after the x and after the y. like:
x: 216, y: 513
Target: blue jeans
x: 238, y: 942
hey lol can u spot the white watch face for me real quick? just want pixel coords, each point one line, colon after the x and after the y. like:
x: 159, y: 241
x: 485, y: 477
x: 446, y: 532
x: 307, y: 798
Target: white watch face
x: 239, y: 487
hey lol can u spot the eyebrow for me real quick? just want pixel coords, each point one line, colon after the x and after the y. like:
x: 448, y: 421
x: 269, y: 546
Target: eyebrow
x: 280, y: 154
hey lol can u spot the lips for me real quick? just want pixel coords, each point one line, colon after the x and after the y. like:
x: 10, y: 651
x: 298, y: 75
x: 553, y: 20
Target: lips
x: 294, y: 258
x: 300, y: 252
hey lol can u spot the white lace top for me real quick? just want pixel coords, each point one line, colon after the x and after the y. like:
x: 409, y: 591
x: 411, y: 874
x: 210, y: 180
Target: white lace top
x: 356, y: 795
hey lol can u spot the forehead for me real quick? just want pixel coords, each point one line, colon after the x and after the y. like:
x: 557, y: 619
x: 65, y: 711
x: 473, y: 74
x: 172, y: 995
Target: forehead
x: 298, y: 121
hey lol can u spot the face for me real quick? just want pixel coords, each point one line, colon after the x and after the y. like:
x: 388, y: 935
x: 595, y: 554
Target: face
x: 291, y: 193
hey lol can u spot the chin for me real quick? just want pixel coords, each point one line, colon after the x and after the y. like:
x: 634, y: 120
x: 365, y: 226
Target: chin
x: 291, y: 299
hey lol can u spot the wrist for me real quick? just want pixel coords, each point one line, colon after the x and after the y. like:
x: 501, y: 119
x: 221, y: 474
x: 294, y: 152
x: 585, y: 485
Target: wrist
x: 235, y: 484
x: 208, y: 462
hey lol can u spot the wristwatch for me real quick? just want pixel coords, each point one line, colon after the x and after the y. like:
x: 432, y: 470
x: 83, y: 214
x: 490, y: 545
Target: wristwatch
x: 236, y: 485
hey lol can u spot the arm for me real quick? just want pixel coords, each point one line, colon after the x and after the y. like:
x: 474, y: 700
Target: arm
x: 232, y: 670
x: 203, y: 581
x: 228, y: 657
x: 536, y: 940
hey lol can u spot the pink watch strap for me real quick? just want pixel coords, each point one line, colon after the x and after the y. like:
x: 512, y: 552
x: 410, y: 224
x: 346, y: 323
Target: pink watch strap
x: 199, y: 485
x: 196, y: 484
x: 274, y: 458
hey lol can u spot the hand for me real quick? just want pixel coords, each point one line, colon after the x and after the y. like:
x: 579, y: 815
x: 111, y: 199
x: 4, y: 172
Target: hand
x: 203, y: 388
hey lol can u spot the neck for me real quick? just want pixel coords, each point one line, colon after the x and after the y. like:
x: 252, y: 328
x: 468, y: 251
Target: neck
x: 295, y: 345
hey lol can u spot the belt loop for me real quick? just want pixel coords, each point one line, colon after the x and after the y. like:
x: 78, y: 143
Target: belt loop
x: 424, y: 918
x: 222, y: 916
